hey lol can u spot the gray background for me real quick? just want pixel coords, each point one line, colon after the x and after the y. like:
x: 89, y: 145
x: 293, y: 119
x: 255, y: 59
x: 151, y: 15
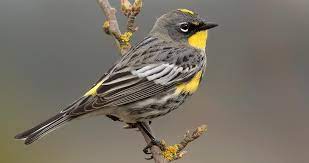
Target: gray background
x: 255, y: 101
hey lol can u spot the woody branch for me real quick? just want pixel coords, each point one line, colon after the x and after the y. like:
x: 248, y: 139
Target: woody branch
x: 111, y: 27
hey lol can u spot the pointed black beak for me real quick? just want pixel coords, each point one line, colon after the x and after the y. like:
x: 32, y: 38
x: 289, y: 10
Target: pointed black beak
x: 208, y: 25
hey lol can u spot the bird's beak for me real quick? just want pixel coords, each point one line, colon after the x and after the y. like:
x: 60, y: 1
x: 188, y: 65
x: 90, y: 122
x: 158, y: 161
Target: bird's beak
x: 208, y: 25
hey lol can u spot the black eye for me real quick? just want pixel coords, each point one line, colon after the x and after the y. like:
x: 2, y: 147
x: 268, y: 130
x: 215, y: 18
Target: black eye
x: 184, y: 27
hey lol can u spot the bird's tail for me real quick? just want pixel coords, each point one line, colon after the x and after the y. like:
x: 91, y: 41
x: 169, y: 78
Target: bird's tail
x: 49, y: 125
x: 44, y: 128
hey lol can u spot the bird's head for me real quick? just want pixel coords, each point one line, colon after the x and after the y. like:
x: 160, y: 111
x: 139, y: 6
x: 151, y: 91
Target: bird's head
x: 184, y: 26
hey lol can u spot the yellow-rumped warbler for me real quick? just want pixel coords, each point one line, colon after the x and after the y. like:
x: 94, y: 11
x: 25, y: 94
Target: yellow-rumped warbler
x: 152, y: 79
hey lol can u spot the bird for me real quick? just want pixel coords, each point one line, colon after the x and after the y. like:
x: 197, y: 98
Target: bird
x: 152, y: 79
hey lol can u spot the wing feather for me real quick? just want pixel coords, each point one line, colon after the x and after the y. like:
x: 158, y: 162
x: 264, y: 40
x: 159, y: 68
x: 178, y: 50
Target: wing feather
x: 137, y: 77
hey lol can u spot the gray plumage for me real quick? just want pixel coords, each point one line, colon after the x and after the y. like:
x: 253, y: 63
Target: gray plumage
x: 142, y: 85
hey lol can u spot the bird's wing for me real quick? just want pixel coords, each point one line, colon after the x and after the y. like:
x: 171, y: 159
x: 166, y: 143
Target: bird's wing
x: 130, y: 82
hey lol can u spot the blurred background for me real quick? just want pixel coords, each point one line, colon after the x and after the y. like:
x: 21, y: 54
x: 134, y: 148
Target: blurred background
x: 255, y: 101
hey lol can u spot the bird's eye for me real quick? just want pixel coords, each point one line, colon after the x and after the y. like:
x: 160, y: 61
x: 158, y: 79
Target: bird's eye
x: 184, y: 27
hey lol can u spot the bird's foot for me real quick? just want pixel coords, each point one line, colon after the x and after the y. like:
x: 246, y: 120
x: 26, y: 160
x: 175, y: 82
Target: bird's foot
x: 170, y: 153
x: 154, y: 142
x: 157, y: 143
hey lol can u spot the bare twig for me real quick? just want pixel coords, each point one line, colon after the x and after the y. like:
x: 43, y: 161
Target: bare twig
x: 123, y: 41
x: 131, y: 11
x: 111, y: 26
x: 189, y: 138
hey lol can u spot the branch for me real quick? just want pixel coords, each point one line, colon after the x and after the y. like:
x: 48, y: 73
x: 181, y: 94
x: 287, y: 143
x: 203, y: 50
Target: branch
x: 123, y: 41
x: 173, y: 152
x: 111, y: 26
x: 189, y: 138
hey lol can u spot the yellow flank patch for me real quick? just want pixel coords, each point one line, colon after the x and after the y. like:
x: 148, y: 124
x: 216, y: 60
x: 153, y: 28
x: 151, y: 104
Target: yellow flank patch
x: 192, y: 85
x: 93, y: 90
x: 198, y: 40
x: 186, y: 11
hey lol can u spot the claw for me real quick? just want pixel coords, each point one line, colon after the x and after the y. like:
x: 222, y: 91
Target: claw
x: 157, y: 143
x: 168, y: 152
x: 146, y: 150
x: 149, y: 158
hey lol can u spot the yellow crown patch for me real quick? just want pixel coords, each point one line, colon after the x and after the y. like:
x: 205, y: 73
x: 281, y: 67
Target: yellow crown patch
x: 186, y: 11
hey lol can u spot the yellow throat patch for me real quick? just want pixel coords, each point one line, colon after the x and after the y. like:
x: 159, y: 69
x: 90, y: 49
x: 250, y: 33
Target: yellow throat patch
x: 191, y: 86
x: 198, y: 40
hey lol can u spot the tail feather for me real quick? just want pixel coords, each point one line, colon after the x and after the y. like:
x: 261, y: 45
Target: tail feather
x: 51, y: 124
x: 40, y: 133
x: 25, y: 134
x: 42, y: 129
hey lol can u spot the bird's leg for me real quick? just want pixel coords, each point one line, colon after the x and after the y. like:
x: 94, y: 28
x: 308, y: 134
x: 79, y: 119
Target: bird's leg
x: 170, y: 153
x: 153, y: 141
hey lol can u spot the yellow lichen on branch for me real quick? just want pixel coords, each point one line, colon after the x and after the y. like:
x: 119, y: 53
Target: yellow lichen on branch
x: 126, y: 37
x: 170, y: 152
x: 175, y: 151
x: 105, y: 27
